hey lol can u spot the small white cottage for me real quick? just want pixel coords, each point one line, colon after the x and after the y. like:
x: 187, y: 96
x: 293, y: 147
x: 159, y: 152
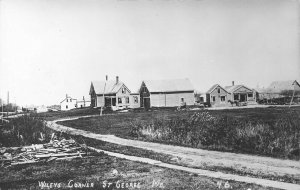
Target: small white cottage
x: 68, y: 103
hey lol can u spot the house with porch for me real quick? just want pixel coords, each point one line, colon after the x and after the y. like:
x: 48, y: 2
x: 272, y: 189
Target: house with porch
x: 166, y: 93
x: 217, y: 96
x: 112, y: 94
x: 241, y: 93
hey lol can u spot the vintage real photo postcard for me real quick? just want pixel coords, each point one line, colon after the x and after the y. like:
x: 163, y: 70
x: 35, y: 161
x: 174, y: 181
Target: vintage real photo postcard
x: 150, y: 94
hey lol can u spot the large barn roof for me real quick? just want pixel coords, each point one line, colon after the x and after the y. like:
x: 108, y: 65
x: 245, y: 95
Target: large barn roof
x: 174, y: 85
x: 111, y: 87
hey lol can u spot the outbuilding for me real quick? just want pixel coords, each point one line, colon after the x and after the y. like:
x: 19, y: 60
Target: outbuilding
x: 166, y: 93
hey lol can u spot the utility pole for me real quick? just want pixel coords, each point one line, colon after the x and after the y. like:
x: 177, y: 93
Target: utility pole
x: 103, y: 96
x: 7, y: 104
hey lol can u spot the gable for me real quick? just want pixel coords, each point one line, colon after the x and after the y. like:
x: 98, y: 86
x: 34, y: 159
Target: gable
x: 215, y: 88
x: 126, y: 90
x: 243, y: 89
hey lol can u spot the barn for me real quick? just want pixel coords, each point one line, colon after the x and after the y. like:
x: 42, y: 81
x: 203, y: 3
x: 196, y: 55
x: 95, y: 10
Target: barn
x: 166, y: 93
x: 112, y: 94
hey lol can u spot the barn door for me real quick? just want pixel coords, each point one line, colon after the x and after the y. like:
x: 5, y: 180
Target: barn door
x: 146, y: 102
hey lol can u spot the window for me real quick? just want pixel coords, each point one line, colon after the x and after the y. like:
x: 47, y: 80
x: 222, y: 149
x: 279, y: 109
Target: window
x: 250, y: 95
x: 219, y: 90
x: 236, y: 97
x: 213, y: 98
x: 67, y: 100
x: 119, y: 100
x: 70, y: 100
x: 66, y: 106
x: 201, y: 99
x: 182, y: 99
x: 123, y: 90
x: 222, y: 98
x: 127, y: 100
x: 135, y: 99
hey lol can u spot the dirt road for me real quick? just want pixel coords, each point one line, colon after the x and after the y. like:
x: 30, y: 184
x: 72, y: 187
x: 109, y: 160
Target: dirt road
x: 242, y: 163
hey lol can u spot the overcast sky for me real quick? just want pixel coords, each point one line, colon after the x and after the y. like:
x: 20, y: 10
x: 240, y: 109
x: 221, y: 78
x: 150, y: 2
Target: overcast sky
x: 52, y: 47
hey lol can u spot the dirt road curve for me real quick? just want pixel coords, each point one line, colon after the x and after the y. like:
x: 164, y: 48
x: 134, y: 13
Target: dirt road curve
x: 191, y: 157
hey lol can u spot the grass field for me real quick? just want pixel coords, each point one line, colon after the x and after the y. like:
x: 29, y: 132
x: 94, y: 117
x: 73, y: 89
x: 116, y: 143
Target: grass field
x: 273, y: 131
x: 105, y: 172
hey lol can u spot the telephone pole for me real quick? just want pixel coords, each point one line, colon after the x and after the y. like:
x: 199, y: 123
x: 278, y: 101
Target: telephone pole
x: 7, y: 104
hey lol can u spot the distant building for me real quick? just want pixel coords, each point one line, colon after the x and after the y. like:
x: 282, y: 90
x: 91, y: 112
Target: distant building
x: 68, y: 103
x: 166, y: 93
x: 280, y: 90
x: 85, y: 102
x: 110, y: 93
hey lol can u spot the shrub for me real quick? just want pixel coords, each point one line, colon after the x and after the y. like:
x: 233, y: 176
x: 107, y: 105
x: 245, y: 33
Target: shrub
x: 24, y: 130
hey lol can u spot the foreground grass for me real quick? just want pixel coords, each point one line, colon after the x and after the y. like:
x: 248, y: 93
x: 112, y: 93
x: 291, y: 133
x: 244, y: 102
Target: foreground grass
x: 127, y: 150
x: 263, y: 131
x: 101, y: 170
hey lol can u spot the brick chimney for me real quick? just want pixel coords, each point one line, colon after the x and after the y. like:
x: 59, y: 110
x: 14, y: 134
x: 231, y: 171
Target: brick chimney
x: 232, y: 83
x: 117, y: 79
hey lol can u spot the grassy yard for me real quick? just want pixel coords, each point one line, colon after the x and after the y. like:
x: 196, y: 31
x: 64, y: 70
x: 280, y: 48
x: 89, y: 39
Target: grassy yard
x: 105, y: 172
x: 273, y: 131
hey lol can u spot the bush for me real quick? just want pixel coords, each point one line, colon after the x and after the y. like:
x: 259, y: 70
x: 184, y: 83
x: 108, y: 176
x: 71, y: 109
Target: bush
x: 24, y: 130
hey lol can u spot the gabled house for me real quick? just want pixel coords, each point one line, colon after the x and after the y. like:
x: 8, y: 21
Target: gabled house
x: 241, y: 93
x: 110, y: 93
x: 68, y: 103
x: 217, y: 96
x: 166, y: 93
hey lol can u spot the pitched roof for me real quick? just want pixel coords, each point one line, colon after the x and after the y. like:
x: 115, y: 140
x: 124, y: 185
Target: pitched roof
x: 111, y: 87
x: 173, y: 85
x: 68, y: 97
x: 278, y: 86
x: 233, y: 88
x: 213, y: 88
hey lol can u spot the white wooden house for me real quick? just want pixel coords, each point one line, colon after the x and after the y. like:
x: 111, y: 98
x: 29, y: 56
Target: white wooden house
x: 166, y: 93
x: 110, y: 93
x: 217, y: 96
x: 68, y: 103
